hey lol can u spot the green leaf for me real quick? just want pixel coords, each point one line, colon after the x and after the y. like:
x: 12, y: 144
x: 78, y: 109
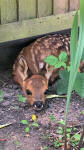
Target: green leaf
x: 68, y: 136
x: 61, y: 122
x: 1, y: 99
x: 24, y: 122
x: 16, y: 142
x: 52, y: 118
x: 35, y: 124
x: 56, y: 144
x: 77, y: 137
x: 1, y: 93
x: 45, y: 148
x: 51, y: 60
x: 69, y: 130
x: 27, y: 130
x: 82, y: 59
x: 79, y: 84
x: 76, y: 51
x: 73, y: 69
x: 60, y: 128
x: 82, y: 112
x: 68, y: 68
x: 60, y: 132
x: 21, y: 99
x: 63, y: 57
x: 60, y: 64
x: 74, y: 39
x: 82, y: 149
x: 62, y: 84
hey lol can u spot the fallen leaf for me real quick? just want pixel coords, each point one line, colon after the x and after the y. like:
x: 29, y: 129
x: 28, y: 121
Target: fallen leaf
x: 34, y: 117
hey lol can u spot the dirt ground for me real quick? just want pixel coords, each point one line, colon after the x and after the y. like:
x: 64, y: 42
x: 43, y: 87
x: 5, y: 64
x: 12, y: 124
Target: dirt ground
x: 13, y: 111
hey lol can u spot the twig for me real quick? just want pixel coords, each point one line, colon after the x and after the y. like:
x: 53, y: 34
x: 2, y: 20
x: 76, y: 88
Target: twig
x: 5, y: 125
x: 58, y: 96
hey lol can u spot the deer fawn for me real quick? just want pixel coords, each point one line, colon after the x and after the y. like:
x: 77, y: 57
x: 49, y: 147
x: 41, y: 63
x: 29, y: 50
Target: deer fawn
x: 31, y: 71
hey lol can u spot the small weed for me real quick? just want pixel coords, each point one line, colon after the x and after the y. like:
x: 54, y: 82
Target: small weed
x: 82, y: 112
x: 61, y: 122
x: 1, y: 95
x: 73, y: 136
x: 21, y: 98
x: 34, y: 124
x: 45, y: 148
x: 57, y: 144
x: 52, y: 118
x: 58, y: 62
x: 44, y: 137
x: 17, y: 143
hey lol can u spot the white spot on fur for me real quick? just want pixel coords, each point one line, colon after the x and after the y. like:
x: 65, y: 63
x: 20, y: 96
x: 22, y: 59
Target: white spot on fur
x: 41, y: 65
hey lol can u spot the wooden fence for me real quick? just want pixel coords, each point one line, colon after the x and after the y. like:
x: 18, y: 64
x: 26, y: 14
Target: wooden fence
x: 18, y: 10
x: 26, y: 18
x: 23, y: 19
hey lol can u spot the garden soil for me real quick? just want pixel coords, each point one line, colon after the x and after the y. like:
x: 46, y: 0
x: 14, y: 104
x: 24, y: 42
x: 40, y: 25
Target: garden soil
x: 14, y: 137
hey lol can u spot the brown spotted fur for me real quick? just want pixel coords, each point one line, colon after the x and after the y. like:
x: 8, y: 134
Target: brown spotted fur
x: 35, y: 67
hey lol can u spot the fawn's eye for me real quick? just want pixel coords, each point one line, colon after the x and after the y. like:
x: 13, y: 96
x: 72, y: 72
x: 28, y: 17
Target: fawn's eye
x: 46, y: 92
x: 28, y: 92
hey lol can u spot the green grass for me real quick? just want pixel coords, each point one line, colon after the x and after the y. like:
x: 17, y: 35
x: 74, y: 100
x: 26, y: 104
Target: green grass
x: 76, y: 52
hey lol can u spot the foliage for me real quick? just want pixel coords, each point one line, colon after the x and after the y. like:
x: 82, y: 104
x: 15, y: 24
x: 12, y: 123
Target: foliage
x: 62, y: 84
x: 21, y: 99
x: 76, y: 51
x: 58, y: 62
x: 73, y: 136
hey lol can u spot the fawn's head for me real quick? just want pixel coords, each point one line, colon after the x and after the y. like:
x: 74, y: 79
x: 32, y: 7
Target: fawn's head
x: 35, y: 90
x: 34, y: 87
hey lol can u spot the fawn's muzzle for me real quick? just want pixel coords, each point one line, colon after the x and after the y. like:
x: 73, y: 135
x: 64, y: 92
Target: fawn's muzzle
x: 38, y: 105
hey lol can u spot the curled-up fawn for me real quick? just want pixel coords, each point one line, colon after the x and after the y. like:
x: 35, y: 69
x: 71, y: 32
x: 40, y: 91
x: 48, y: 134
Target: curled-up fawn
x: 33, y: 73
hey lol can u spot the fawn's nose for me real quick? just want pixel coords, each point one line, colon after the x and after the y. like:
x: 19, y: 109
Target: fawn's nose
x: 38, y: 105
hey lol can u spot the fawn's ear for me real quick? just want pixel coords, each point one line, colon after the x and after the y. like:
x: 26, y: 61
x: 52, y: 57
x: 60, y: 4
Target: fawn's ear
x: 23, y: 68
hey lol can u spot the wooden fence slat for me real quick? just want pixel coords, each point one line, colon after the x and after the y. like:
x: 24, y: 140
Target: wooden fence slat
x: 27, y: 9
x: 60, y: 6
x: 34, y: 27
x: 44, y: 8
x: 74, y: 4
x: 8, y: 11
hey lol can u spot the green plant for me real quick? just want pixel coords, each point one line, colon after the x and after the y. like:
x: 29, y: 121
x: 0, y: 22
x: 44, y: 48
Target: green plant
x: 62, y: 84
x: 21, y: 98
x: 76, y: 51
x: 28, y: 125
x: 72, y: 134
x: 16, y: 143
x: 57, y: 144
x: 1, y: 95
x: 45, y: 148
x: 58, y: 62
x: 52, y: 118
